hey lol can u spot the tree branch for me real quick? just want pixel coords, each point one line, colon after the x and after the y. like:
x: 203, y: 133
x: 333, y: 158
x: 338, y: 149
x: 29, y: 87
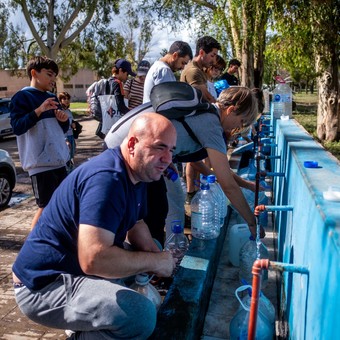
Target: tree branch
x: 30, y: 24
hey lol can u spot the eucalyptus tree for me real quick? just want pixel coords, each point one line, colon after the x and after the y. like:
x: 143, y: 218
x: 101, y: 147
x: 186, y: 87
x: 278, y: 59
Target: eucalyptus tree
x: 11, y: 41
x: 312, y: 25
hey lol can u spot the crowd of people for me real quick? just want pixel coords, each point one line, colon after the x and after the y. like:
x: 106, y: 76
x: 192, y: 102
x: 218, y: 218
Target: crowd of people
x: 103, y: 221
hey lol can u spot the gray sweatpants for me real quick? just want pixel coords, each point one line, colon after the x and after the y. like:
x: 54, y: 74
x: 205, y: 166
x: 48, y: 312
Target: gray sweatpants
x: 93, y: 307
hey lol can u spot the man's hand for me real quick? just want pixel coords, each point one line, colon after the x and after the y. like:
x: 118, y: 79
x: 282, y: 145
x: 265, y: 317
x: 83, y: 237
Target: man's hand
x: 165, y: 265
x: 61, y: 115
x: 48, y: 104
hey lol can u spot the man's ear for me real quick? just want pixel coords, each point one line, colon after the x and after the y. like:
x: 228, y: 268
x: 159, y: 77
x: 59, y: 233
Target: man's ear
x: 230, y: 109
x: 174, y: 56
x: 201, y: 53
x: 131, y: 143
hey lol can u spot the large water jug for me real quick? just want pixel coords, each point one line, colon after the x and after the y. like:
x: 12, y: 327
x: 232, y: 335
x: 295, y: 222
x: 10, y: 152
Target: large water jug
x: 282, y: 99
x: 238, y: 327
x: 248, y: 255
x: 221, y: 200
x: 238, y: 235
x: 265, y: 305
x: 250, y: 197
x: 142, y: 286
x: 177, y: 243
x: 202, y: 218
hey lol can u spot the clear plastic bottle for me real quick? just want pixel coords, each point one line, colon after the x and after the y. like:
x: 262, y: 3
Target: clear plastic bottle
x: 265, y: 306
x: 142, y: 286
x: 263, y: 199
x: 202, y: 218
x: 248, y: 255
x: 177, y: 243
x: 238, y: 326
x: 282, y: 99
x: 221, y: 200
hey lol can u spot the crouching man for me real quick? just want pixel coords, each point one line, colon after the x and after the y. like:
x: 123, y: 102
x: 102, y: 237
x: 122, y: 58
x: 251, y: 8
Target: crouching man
x: 68, y: 272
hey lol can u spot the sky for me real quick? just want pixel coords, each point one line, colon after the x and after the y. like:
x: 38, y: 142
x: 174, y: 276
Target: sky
x: 162, y: 37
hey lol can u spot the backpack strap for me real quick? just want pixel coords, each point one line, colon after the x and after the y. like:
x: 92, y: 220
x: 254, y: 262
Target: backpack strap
x: 188, y: 129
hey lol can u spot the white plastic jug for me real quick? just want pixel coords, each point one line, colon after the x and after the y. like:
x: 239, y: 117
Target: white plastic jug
x: 238, y: 327
x: 238, y: 235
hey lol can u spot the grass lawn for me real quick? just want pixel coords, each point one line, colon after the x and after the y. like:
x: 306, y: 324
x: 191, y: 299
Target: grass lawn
x: 305, y: 114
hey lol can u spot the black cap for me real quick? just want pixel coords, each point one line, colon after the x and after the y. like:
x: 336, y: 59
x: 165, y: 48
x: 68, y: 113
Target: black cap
x: 124, y: 64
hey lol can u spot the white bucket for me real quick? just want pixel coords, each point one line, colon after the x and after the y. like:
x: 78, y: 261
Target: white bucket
x: 238, y: 235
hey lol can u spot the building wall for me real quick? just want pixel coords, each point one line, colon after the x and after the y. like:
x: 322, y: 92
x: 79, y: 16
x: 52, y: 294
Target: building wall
x: 76, y: 86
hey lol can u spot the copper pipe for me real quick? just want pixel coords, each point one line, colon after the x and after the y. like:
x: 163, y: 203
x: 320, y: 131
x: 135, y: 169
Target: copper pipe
x: 256, y: 288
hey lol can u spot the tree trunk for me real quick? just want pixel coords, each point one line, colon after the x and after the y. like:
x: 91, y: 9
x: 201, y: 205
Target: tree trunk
x: 247, y: 66
x: 327, y: 114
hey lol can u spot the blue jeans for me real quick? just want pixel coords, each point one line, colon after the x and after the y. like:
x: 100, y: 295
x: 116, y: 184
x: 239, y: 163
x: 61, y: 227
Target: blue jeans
x: 95, y: 308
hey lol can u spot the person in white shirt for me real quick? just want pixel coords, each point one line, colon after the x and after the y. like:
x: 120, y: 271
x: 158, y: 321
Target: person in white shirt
x: 162, y: 70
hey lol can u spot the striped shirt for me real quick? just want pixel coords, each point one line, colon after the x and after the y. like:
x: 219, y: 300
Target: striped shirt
x: 134, y: 91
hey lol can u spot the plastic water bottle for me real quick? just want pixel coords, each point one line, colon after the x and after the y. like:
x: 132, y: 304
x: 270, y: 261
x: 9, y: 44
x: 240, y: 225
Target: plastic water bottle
x: 249, y: 253
x: 220, y: 200
x: 282, y: 99
x: 238, y: 326
x: 265, y: 306
x: 202, y: 215
x: 177, y: 243
x: 250, y: 197
x: 142, y: 285
x: 238, y: 235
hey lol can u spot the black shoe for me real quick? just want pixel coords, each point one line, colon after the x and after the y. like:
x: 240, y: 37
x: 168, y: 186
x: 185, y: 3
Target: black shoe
x: 189, y: 197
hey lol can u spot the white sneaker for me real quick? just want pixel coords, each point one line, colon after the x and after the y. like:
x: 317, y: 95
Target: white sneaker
x: 69, y: 333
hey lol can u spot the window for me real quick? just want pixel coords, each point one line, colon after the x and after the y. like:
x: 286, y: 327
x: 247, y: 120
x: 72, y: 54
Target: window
x: 3, y: 88
x: 79, y: 86
x: 68, y: 86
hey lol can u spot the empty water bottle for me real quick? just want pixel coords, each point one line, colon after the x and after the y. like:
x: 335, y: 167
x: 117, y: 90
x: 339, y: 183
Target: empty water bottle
x: 238, y: 326
x: 250, y: 252
x: 143, y: 286
x: 264, y: 306
x: 202, y: 218
x: 250, y: 197
x: 282, y: 99
x: 221, y: 200
x: 177, y: 243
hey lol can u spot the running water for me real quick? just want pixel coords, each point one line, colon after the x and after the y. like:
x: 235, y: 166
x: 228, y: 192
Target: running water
x: 258, y: 240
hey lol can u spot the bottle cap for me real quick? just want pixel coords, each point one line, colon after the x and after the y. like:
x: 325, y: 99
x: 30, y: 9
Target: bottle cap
x: 171, y: 174
x: 176, y: 227
x: 310, y: 164
x: 211, y: 179
x: 142, y: 279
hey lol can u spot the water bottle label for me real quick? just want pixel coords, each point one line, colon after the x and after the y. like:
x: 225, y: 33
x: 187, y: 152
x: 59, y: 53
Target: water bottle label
x: 196, y: 220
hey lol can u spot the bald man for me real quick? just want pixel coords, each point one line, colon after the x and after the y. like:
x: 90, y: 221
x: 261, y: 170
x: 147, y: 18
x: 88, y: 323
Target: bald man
x: 68, y: 272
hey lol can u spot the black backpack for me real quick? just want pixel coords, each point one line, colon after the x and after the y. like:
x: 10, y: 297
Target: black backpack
x: 175, y: 100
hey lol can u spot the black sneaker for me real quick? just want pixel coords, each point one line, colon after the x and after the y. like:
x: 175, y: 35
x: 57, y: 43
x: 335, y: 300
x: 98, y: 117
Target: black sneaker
x: 189, y: 197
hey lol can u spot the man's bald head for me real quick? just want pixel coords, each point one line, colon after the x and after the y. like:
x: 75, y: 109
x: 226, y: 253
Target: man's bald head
x: 148, y: 147
x: 150, y: 124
